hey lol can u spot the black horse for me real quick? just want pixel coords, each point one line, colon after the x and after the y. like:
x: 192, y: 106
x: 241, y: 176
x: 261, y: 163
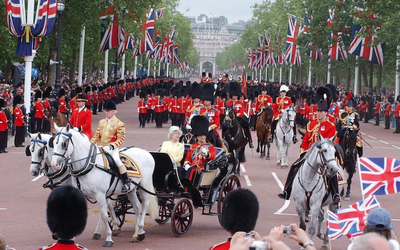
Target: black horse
x: 234, y: 135
x: 348, y: 144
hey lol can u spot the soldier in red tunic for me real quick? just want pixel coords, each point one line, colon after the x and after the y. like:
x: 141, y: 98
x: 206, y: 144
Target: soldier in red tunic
x: 62, y: 104
x: 81, y: 118
x: 19, y: 122
x: 397, y: 115
x: 388, y: 111
x: 203, y: 77
x: 377, y: 110
x: 3, y: 127
x: 212, y: 114
x: 39, y: 114
x: 319, y: 127
x: 142, y: 109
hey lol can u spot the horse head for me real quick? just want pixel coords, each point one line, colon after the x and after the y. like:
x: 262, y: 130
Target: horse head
x: 325, y: 156
x: 230, y: 118
x: 39, y: 151
x: 288, y: 116
x: 62, y: 145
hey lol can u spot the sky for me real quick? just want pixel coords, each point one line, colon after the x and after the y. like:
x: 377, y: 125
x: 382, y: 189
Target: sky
x: 234, y: 10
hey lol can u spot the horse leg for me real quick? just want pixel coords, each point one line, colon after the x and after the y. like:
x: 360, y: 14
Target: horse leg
x: 349, y: 179
x: 115, y: 229
x: 262, y: 149
x: 258, y: 146
x: 132, y: 196
x: 268, y: 146
x: 314, y: 216
x: 101, y: 200
x: 320, y: 220
x: 278, y: 154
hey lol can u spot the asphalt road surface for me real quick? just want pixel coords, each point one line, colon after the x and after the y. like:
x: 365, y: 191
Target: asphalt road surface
x: 23, y: 199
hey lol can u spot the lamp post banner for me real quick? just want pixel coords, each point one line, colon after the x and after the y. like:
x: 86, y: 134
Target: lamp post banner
x: 28, y: 33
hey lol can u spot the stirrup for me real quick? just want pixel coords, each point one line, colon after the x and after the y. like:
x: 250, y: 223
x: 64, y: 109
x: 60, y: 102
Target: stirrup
x: 125, y: 188
x: 336, y: 198
x: 295, y: 140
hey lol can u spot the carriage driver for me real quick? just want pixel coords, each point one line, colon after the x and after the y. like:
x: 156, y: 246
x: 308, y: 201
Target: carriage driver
x: 110, y: 134
x: 200, y: 152
x: 326, y: 129
x: 282, y: 102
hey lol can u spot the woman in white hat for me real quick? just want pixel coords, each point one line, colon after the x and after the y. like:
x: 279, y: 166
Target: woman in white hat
x: 173, y: 147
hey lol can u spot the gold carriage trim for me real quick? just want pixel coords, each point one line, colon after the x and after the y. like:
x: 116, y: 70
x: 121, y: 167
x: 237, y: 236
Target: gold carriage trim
x: 132, y: 167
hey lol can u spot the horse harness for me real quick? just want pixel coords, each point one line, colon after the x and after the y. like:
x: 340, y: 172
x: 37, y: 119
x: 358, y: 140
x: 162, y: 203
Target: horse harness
x: 285, y: 122
x: 321, y: 171
x: 232, y: 137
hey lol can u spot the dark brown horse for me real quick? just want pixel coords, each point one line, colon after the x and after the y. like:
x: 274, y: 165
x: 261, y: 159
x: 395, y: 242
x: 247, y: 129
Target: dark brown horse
x: 233, y: 134
x: 348, y: 144
x: 58, y: 119
x: 263, y: 128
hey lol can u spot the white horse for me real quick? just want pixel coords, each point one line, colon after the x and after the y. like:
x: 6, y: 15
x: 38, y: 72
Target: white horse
x: 40, y: 151
x: 309, y: 187
x: 284, y: 136
x: 86, y: 163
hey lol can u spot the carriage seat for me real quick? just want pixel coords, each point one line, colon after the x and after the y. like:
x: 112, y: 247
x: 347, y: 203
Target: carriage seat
x: 210, y: 169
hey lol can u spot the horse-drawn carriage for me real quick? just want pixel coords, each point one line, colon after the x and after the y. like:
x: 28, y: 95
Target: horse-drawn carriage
x: 178, y: 197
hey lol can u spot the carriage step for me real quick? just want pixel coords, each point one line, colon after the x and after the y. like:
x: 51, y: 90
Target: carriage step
x: 210, y: 213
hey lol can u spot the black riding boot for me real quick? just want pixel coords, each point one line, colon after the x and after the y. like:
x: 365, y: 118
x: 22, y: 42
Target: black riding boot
x: 295, y: 140
x: 334, y: 189
x: 248, y: 135
x: 273, y: 126
x: 126, y: 182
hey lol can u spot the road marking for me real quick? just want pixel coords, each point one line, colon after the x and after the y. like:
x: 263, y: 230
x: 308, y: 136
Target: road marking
x: 38, y: 177
x: 242, y: 168
x: 363, y: 133
x: 384, y: 142
x: 3, y: 208
x: 287, y: 214
x: 396, y: 219
x: 287, y: 202
x: 395, y: 146
x: 246, y: 177
x: 372, y: 137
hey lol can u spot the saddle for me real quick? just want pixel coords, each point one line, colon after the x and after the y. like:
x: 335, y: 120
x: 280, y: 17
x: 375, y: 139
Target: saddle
x: 132, y: 167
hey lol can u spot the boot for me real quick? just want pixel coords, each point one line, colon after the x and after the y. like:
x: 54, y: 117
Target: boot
x: 283, y: 195
x: 126, y: 182
x: 295, y: 140
x: 271, y: 138
x: 334, y: 190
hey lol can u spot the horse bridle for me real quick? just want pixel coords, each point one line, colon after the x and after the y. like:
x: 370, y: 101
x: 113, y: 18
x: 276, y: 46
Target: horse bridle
x: 64, y: 144
x: 41, y: 152
x: 324, y: 162
x: 230, y: 120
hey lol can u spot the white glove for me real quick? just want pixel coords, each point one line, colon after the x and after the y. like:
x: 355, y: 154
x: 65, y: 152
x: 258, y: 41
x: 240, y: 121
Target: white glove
x: 77, y: 129
x: 209, y: 128
x: 138, y: 110
x: 188, y: 127
x: 187, y: 166
x: 204, y: 152
x: 108, y: 148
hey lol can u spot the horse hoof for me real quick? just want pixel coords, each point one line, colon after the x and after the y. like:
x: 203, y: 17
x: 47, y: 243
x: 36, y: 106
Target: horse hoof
x: 284, y: 166
x: 142, y: 236
x: 257, y: 151
x: 321, y: 236
x: 115, y: 232
x: 324, y: 247
x: 268, y: 158
x: 306, y: 219
x: 108, y: 244
x: 278, y: 163
x: 347, y: 198
x: 261, y: 156
x: 96, y: 236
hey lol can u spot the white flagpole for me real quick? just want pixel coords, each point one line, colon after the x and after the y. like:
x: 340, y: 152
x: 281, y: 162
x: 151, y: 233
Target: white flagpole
x: 123, y: 67
x: 135, y: 68
x: 328, y: 79
x: 159, y: 68
x: 273, y: 74
x: 280, y: 74
x: 167, y: 69
x: 148, y: 67
x: 155, y: 67
x: 396, y: 92
x: 260, y: 75
x: 28, y: 63
x: 309, y: 73
x: 266, y: 72
x: 356, y: 77
x: 81, y: 53
x: 290, y: 74
x: 106, y: 66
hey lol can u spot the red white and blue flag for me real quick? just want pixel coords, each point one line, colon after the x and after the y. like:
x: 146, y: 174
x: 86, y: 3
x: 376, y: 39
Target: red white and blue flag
x: 337, y: 51
x: 292, y: 52
x: 149, y: 30
x: 111, y: 33
x: 42, y: 26
x: 379, y: 176
x: 349, y: 221
x: 128, y: 43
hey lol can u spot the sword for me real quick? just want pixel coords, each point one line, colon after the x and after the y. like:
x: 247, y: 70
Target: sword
x: 365, y: 141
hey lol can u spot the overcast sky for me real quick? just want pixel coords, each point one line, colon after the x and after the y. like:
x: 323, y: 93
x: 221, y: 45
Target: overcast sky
x: 234, y: 10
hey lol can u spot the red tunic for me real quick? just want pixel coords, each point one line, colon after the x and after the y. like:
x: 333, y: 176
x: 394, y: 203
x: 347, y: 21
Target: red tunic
x: 158, y: 105
x: 221, y: 246
x: 281, y: 104
x: 82, y: 120
x: 63, y: 245
x: 334, y: 110
x: 39, y: 110
x: 377, y: 108
x: 194, y: 156
x: 72, y: 104
x: 238, y: 106
x: 3, y: 121
x: 142, y: 107
x: 263, y: 101
x: 62, y: 105
x: 387, y: 110
x: 397, y: 110
x: 326, y: 129
x: 19, y: 117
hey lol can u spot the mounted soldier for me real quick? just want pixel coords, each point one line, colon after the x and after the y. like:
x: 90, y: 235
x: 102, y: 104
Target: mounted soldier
x: 212, y: 114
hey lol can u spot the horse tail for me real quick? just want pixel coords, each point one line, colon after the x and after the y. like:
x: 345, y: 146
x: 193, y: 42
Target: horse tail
x: 153, y: 206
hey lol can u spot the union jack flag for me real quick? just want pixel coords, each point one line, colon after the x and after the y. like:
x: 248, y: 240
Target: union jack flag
x: 379, y: 176
x: 350, y: 221
x: 292, y: 52
x: 149, y: 30
x: 128, y: 43
x: 366, y: 48
x: 337, y: 50
x: 111, y: 35
x: 160, y: 14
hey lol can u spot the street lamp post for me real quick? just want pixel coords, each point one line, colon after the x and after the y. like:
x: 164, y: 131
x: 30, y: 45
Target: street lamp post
x: 60, y: 9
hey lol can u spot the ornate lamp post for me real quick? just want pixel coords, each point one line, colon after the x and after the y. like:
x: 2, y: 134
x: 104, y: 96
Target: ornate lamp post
x: 60, y: 9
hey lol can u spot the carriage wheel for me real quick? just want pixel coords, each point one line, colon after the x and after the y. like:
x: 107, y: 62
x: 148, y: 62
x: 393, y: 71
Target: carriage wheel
x: 120, y: 209
x: 182, y: 217
x: 229, y: 184
x: 164, y: 212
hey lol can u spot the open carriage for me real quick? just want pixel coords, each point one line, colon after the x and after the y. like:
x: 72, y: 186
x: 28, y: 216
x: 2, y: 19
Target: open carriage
x: 178, y: 197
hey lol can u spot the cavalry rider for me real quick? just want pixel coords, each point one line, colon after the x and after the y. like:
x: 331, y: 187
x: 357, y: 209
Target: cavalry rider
x: 320, y: 126
x: 212, y: 114
x: 196, y: 108
x: 110, y: 134
x: 263, y: 100
x: 349, y: 118
x: 200, y: 152
x: 81, y: 118
x: 333, y: 106
x: 282, y: 102
x: 239, y: 107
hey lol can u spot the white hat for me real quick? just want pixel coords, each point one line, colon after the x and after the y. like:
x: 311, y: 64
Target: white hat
x: 284, y: 88
x: 172, y: 129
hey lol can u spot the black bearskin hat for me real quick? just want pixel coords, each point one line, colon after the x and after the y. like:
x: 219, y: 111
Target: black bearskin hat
x: 160, y: 92
x: 391, y: 99
x: 94, y: 88
x: 175, y: 92
x: 324, y: 93
x: 199, y: 125
x: 61, y: 93
x: 49, y: 88
x: 110, y: 105
x: 46, y: 94
x: 210, y: 75
x: 38, y: 94
x: 252, y: 96
x: 224, y: 94
x: 196, y: 91
x: 208, y: 92
x: 183, y: 92
x: 203, y: 74
x: 2, y: 103
x: 18, y: 100
x: 142, y: 94
x: 239, y: 211
x: 398, y: 98
x: 333, y: 91
x: 66, y: 212
x: 248, y: 78
x: 235, y: 89
x: 78, y: 90
x: 87, y: 89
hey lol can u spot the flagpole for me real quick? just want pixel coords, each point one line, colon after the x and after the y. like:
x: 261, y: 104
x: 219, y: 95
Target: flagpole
x: 309, y: 73
x: 260, y: 74
x: 106, y: 66
x: 155, y: 67
x: 290, y: 74
x: 159, y: 68
x: 396, y: 92
x: 148, y: 66
x: 81, y: 53
x: 329, y: 71
x: 280, y: 74
x: 167, y: 69
x: 356, y: 77
x: 266, y: 73
x: 135, y: 68
x: 273, y: 74
x: 123, y: 67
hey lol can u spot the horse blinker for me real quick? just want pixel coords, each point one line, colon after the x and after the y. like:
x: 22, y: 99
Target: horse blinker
x: 27, y: 151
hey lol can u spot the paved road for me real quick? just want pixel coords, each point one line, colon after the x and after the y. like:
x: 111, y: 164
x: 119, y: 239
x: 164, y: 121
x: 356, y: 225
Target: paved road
x: 22, y: 198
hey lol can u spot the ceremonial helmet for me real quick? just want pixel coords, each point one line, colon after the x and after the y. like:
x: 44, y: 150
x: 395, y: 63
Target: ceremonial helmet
x: 208, y: 92
x: 333, y: 91
x: 38, y: 94
x: 196, y: 91
x: 81, y: 98
x: 235, y: 89
x: 110, y: 105
x: 325, y: 98
x: 18, y: 100
x: 284, y: 88
x: 199, y: 125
